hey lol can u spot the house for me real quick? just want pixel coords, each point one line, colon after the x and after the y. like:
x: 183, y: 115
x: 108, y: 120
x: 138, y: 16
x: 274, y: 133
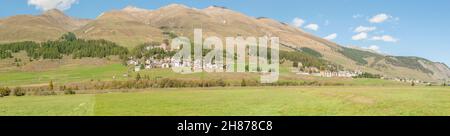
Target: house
x: 132, y: 62
x: 165, y: 65
x: 148, y: 66
x: 137, y: 68
x: 148, y: 61
x: 165, y: 47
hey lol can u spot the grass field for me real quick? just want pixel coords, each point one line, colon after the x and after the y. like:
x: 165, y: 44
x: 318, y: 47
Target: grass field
x: 80, y: 72
x: 63, y: 75
x: 278, y: 101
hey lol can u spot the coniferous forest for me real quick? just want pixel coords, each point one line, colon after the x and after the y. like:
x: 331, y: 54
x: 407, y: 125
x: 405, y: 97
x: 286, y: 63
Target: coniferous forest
x: 68, y: 44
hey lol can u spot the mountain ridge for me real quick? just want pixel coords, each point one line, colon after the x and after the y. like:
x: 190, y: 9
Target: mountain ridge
x: 131, y: 26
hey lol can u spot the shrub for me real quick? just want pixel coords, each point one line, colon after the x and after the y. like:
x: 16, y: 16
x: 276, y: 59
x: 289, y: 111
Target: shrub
x: 4, y: 92
x: 69, y: 91
x: 46, y: 93
x: 19, y: 91
x: 243, y: 83
x: 50, y: 85
x: 295, y: 64
x: 138, y: 77
x: 367, y: 75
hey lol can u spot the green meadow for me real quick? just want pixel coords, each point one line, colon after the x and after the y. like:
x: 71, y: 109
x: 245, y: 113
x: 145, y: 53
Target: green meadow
x: 238, y: 101
x: 115, y: 71
x: 63, y: 75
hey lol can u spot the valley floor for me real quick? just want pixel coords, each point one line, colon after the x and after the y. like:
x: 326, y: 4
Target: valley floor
x: 278, y: 101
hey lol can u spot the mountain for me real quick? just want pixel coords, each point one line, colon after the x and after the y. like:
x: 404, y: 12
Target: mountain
x: 132, y: 26
x: 50, y: 25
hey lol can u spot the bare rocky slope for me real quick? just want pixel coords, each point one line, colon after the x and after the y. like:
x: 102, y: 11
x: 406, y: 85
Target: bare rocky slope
x: 132, y: 26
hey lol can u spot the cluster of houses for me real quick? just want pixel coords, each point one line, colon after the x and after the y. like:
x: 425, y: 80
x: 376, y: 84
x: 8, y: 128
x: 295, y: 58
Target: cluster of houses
x: 312, y: 71
x: 405, y: 80
x: 151, y: 63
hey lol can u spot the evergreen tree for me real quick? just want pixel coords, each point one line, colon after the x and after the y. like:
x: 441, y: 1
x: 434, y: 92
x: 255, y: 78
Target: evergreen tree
x: 69, y: 36
x: 243, y: 83
x: 138, y: 77
x: 295, y: 64
x: 70, y: 45
x: 50, y: 85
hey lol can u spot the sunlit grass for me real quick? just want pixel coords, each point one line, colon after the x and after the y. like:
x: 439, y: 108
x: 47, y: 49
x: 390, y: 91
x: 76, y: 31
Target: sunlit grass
x: 277, y: 101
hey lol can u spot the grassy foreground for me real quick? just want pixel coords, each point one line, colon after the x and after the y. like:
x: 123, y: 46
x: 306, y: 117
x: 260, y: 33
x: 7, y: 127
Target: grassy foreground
x: 402, y: 101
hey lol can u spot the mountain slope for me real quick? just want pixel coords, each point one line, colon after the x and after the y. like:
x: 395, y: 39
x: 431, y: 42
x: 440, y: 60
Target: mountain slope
x: 48, y: 26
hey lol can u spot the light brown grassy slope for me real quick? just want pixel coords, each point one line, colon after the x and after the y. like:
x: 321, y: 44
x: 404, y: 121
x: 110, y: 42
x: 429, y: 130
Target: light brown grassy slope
x: 48, y: 26
x: 132, y: 26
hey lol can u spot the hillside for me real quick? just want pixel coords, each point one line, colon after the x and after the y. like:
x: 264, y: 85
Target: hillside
x: 132, y: 26
x: 47, y: 26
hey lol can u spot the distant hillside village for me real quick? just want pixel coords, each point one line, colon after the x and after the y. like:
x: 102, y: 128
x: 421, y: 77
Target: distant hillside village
x: 313, y: 71
x: 159, y: 55
x: 154, y: 59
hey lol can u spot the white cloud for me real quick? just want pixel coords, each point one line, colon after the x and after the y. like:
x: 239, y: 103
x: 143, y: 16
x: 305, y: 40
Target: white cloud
x: 52, y: 4
x: 331, y: 36
x: 373, y: 48
x: 386, y: 38
x: 360, y: 29
x: 298, y: 22
x: 314, y: 27
x: 360, y: 36
x: 380, y: 18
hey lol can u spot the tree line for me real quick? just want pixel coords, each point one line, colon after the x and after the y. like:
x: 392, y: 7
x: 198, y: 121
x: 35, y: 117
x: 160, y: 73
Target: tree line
x: 306, y: 59
x: 68, y: 44
x: 368, y: 75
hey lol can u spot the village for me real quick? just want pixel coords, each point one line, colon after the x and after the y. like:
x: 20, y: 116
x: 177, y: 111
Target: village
x: 168, y: 62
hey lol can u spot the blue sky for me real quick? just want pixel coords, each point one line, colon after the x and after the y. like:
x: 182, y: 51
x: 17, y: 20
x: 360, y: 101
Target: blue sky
x: 407, y: 28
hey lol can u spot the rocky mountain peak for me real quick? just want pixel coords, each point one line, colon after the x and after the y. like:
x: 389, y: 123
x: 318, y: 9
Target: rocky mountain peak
x: 175, y: 6
x: 134, y: 9
x: 54, y: 13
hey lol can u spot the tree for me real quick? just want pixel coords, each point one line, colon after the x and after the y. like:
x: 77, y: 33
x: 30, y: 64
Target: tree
x: 295, y: 64
x: 69, y: 37
x: 50, y: 85
x: 19, y: 91
x: 138, y: 77
x: 243, y: 83
x: 4, y: 92
x: 69, y: 45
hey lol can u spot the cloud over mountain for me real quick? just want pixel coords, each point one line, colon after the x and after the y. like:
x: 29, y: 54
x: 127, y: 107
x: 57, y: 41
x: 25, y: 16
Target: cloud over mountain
x: 313, y: 27
x: 52, y: 4
x: 359, y: 36
x: 331, y: 36
x: 298, y: 22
